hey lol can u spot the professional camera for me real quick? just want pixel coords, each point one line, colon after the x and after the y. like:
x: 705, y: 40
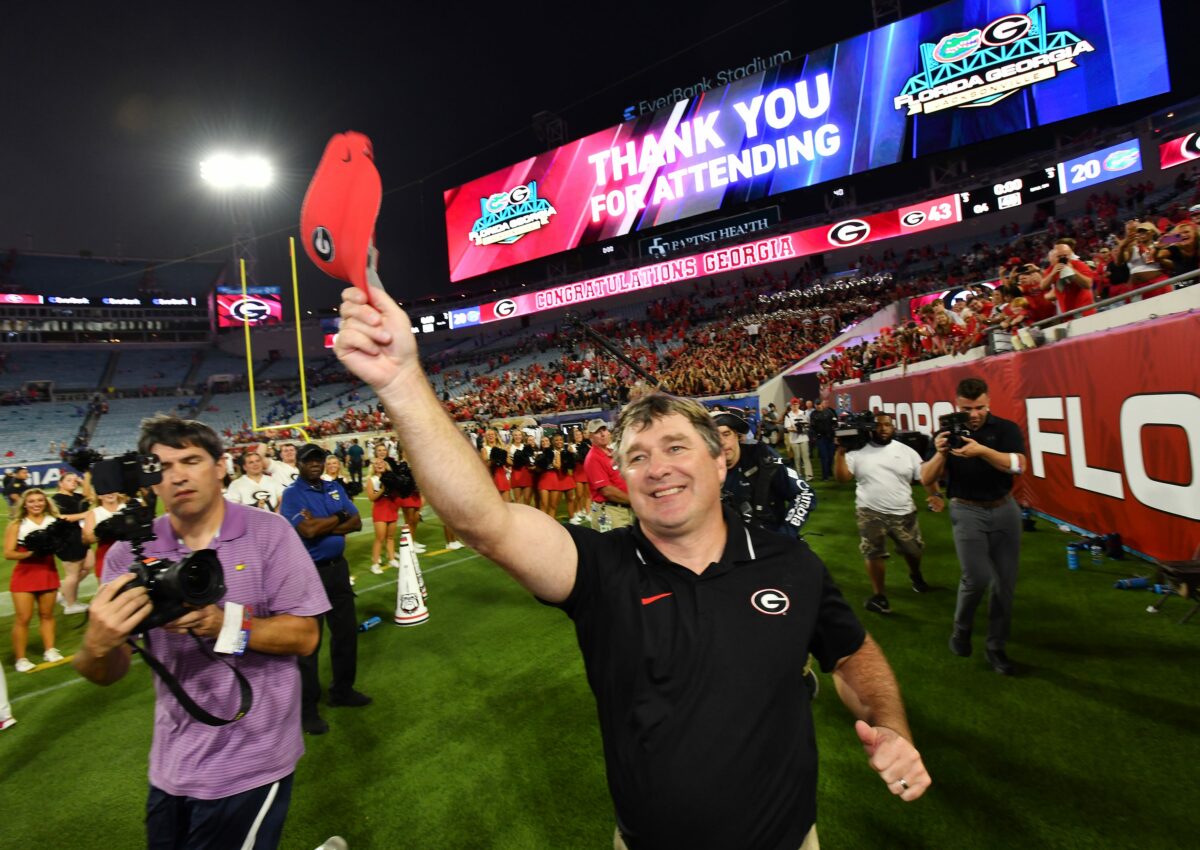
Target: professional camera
x: 854, y: 430
x: 174, y: 586
x: 956, y: 426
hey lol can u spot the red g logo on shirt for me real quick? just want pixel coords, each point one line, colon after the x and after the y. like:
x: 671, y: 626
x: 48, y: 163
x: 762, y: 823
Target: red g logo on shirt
x: 770, y: 601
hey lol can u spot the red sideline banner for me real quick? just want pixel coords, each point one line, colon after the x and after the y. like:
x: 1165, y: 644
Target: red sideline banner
x: 1111, y: 424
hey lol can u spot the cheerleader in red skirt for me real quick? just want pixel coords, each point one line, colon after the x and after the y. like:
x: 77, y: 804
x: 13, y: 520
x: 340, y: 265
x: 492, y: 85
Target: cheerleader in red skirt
x: 410, y: 504
x: 384, y: 513
x: 496, y: 458
x: 582, y: 501
x: 559, y: 477
x: 110, y: 505
x: 520, y: 464
x: 34, y: 580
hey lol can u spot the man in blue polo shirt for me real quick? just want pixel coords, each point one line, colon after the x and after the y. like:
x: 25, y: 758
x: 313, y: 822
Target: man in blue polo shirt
x: 323, y: 515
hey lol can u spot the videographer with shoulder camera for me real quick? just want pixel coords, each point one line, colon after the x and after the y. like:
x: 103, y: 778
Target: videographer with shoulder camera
x: 758, y: 484
x: 885, y: 470
x: 980, y: 454
x: 230, y: 783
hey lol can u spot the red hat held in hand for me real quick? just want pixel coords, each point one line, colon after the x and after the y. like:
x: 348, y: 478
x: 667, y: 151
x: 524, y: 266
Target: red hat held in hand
x: 337, y: 218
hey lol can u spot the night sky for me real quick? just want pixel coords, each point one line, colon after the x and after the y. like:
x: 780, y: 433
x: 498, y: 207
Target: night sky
x: 108, y: 108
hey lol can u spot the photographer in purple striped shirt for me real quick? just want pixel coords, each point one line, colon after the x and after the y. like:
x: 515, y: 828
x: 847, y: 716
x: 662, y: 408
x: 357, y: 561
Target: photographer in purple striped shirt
x: 231, y: 783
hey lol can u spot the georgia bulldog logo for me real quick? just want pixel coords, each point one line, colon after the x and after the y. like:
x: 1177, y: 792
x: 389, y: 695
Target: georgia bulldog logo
x: 770, y: 601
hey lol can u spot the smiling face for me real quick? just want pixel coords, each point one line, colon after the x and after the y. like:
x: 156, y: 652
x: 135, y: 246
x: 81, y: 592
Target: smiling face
x: 674, y: 480
x: 191, y: 482
x: 287, y: 454
x: 333, y: 466
x: 35, y: 504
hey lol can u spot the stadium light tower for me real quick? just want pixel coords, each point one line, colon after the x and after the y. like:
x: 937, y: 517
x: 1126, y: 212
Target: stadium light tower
x: 239, y: 178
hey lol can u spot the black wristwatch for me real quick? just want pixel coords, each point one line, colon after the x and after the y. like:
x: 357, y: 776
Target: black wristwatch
x: 342, y: 516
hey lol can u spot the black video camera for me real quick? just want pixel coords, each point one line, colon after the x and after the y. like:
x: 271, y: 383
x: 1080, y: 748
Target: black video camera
x: 854, y: 430
x: 955, y: 426
x: 175, y: 587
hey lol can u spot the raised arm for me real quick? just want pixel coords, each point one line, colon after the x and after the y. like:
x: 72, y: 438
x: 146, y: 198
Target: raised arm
x: 377, y: 344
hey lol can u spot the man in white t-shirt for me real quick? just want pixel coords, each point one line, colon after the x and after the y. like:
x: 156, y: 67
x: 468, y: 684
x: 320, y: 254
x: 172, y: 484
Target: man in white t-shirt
x: 254, y: 488
x: 885, y: 470
x: 283, y: 468
x: 795, y: 425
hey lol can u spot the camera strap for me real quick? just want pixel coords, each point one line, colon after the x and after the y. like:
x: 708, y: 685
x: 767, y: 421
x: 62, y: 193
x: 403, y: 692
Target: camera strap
x: 176, y: 689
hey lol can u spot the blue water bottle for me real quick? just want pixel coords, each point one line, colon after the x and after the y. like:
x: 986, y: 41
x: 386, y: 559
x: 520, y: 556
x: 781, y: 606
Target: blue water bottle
x: 1135, y: 583
x: 369, y: 624
x: 1097, y: 553
x: 1072, y: 557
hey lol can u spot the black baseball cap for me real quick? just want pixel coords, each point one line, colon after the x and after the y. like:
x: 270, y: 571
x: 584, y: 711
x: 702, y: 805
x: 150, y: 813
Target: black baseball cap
x: 731, y: 420
x: 308, y: 451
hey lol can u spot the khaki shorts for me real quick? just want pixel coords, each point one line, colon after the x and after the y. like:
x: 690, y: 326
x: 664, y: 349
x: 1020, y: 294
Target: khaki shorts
x: 874, y: 528
x: 618, y: 516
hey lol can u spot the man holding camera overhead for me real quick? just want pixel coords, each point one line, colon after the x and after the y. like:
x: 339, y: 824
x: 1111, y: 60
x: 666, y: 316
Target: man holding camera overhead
x: 980, y: 458
x: 223, y: 785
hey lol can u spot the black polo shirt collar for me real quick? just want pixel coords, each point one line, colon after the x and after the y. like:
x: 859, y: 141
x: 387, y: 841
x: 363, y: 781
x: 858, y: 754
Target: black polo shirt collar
x: 739, y: 548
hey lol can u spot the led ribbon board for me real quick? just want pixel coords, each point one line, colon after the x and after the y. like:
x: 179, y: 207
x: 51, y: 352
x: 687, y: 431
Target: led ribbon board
x: 961, y: 73
x: 1119, y: 160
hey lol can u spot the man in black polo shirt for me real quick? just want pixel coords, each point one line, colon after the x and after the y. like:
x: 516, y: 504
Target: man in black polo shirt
x: 694, y: 627
x: 986, y: 519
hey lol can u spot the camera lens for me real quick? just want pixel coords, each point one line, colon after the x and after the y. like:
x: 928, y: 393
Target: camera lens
x: 200, y: 579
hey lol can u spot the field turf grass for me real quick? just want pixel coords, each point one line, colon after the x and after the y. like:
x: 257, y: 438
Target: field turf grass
x: 483, y: 731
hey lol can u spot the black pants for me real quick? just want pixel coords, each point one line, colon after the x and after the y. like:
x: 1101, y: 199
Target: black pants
x: 343, y: 637
x: 356, y: 471
x: 825, y: 451
x: 253, y: 818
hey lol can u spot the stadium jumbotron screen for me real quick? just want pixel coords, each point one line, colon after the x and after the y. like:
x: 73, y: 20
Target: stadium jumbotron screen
x: 261, y: 306
x: 948, y: 77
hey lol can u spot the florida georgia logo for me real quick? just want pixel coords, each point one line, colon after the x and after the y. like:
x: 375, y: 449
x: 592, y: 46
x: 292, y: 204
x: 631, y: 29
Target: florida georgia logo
x: 507, y: 216
x: 770, y: 601
x: 981, y: 66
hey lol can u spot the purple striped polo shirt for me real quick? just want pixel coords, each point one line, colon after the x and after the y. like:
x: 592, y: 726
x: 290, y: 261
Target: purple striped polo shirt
x: 267, y: 569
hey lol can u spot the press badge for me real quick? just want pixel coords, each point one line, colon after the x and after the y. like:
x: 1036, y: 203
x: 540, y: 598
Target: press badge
x: 235, y: 631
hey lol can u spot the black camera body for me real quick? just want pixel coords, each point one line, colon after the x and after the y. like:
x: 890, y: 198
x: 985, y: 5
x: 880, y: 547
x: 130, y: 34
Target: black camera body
x: 176, y: 587
x: 854, y: 430
x: 956, y: 426
x: 128, y: 473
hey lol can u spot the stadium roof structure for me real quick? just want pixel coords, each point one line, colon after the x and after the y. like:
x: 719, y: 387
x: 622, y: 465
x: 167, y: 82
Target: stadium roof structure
x: 98, y: 277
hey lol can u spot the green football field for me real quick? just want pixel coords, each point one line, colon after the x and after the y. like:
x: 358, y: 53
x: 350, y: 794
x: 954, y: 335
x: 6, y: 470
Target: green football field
x: 483, y: 731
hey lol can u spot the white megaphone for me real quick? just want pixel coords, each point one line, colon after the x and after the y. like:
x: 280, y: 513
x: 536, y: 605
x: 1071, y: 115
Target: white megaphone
x: 410, y: 603
x: 406, y: 539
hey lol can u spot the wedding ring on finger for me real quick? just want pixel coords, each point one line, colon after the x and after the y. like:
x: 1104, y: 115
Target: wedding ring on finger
x: 903, y: 783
